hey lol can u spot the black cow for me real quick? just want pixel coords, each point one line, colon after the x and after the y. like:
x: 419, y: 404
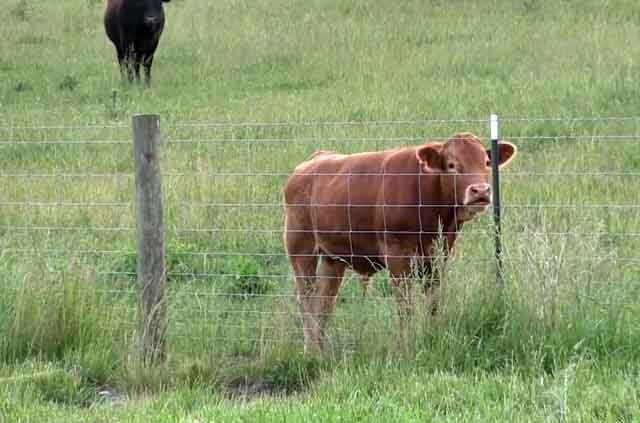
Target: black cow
x: 134, y: 27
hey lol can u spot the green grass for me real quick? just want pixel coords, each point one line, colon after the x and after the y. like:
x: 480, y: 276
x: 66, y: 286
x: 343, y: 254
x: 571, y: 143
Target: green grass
x: 560, y: 343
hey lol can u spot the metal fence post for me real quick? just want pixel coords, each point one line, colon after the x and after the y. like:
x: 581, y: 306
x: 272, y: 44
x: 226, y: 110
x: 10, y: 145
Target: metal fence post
x: 495, y: 171
x: 152, y: 306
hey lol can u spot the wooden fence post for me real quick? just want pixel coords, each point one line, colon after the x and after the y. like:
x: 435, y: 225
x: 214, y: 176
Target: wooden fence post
x: 152, y: 305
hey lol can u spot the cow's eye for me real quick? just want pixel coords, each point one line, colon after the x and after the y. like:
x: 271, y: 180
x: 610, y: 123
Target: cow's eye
x: 488, y: 163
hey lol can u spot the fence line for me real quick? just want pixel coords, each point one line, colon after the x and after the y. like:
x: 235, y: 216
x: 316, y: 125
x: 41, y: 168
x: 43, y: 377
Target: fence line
x: 225, y: 277
x: 229, y: 253
x: 259, y: 174
x: 279, y: 231
x: 125, y: 125
x: 337, y: 205
x: 65, y: 175
x: 61, y: 204
x: 416, y: 140
x: 423, y: 138
x: 318, y: 205
x: 65, y: 142
x: 401, y: 122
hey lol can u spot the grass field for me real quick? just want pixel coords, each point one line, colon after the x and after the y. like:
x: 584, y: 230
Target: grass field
x: 561, y: 342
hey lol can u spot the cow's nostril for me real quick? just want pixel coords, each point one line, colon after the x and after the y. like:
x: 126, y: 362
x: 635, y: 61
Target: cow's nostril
x: 474, y: 190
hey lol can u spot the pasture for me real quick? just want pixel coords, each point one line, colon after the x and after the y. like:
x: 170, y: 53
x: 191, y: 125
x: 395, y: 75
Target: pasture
x: 248, y: 89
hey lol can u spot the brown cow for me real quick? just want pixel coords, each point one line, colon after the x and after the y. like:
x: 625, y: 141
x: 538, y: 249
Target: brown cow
x: 376, y: 210
x: 134, y: 27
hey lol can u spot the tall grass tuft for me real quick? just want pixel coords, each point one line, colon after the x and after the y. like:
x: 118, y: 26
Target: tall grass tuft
x: 55, y: 316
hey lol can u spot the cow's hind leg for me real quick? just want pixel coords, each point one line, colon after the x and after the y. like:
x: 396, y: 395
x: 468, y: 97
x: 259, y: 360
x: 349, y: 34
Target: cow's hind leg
x: 304, y: 269
x: 323, y: 299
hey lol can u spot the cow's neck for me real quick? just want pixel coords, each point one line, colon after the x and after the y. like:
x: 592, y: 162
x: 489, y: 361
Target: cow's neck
x: 444, y: 214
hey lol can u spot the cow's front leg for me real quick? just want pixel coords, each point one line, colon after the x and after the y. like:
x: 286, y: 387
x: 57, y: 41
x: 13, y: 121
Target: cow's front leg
x: 365, y: 283
x: 432, y: 293
x: 435, y: 267
x: 400, y: 270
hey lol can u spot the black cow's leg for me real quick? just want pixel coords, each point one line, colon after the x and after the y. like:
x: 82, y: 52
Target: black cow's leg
x: 122, y: 62
x: 136, y: 66
x: 128, y: 61
x: 148, y: 61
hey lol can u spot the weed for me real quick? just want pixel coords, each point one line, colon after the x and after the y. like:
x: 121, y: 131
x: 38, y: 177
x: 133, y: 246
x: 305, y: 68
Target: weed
x: 246, y: 277
x: 23, y: 10
x: 22, y: 86
x: 68, y: 83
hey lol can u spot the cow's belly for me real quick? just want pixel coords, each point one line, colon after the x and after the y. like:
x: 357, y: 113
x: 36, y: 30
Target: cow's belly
x: 365, y: 253
x: 345, y: 245
x: 361, y: 253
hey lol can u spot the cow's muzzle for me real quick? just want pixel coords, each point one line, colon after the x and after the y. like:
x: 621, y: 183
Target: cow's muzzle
x: 478, y: 195
x: 152, y: 21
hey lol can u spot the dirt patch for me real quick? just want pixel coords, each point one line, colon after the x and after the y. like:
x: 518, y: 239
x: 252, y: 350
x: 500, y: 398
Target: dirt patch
x: 248, y: 388
x: 276, y: 378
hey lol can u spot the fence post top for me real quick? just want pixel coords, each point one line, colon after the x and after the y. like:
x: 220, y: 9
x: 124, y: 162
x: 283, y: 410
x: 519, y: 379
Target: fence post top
x: 493, y: 126
x: 137, y: 116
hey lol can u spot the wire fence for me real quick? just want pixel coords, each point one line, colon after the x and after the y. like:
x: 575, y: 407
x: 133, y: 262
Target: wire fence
x: 569, y: 211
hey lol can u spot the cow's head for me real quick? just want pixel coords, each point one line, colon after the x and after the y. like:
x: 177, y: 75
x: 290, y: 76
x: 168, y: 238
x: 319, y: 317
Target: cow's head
x: 153, y: 13
x: 464, y: 167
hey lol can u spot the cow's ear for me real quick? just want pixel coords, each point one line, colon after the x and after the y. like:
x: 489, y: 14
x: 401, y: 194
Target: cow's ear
x: 430, y: 156
x: 507, y: 153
